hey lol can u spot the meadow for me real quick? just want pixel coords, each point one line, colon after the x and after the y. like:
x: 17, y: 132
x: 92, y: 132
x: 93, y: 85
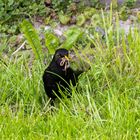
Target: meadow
x: 104, y: 105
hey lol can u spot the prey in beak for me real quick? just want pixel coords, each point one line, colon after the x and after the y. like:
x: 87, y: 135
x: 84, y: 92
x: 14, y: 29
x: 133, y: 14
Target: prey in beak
x: 65, y: 63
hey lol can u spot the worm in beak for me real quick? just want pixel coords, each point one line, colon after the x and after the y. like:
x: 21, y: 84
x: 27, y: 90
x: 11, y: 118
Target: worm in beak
x: 65, y: 62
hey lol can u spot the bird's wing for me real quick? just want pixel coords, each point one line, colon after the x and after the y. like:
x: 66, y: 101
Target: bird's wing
x: 73, y: 75
x: 49, y: 82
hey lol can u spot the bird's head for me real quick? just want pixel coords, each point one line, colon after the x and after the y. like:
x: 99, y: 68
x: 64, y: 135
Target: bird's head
x: 61, y: 58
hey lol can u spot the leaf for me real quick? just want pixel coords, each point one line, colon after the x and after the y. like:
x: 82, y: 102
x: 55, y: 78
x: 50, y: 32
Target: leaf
x: 32, y: 38
x: 72, y: 35
x: 80, y: 20
x: 64, y: 19
x: 89, y: 12
x: 10, y: 2
x: 52, y: 42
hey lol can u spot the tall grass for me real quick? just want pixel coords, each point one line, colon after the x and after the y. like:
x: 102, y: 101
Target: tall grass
x: 106, y: 104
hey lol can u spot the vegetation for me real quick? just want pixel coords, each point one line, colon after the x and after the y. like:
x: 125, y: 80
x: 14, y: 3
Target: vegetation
x: 11, y: 12
x: 104, y: 105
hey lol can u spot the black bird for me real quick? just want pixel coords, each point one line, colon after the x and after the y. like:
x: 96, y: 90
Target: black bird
x: 58, y: 75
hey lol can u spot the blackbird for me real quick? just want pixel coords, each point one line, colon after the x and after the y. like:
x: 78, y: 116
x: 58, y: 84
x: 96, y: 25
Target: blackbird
x: 58, y: 76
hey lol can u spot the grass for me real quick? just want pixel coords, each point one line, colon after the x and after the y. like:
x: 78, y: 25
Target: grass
x: 106, y: 104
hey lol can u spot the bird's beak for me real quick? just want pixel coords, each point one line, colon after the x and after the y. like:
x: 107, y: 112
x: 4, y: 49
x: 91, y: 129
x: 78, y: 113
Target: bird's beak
x: 67, y: 58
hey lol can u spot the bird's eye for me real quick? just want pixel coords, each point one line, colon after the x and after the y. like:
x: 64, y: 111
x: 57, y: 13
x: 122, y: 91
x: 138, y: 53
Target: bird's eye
x: 58, y: 55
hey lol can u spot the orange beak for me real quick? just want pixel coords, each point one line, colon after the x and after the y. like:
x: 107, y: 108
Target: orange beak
x: 67, y: 57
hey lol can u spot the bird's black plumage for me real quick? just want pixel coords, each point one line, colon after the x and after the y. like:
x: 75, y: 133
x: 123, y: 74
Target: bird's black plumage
x: 58, y: 75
